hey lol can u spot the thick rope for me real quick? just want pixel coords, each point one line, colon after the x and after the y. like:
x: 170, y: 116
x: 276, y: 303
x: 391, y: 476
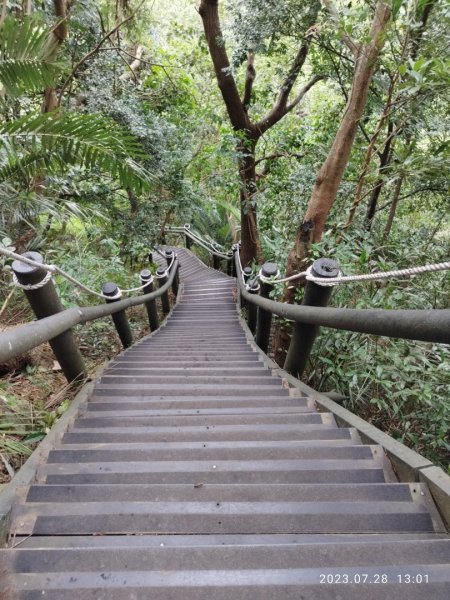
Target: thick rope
x: 29, y: 286
x: 327, y: 281
x: 53, y: 269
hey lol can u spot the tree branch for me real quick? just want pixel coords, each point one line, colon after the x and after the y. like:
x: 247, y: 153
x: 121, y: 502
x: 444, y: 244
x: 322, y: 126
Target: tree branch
x: 135, y: 65
x: 305, y: 89
x: 209, y: 12
x: 347, y: 39
x: 282, y: 108
x: 279, y: 109
x: 96, y: 49
x: 250, y: 77
x: 279, y: 155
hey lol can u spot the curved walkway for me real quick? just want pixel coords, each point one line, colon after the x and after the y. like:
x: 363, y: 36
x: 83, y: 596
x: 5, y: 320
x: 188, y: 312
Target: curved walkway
x: 195, y: 473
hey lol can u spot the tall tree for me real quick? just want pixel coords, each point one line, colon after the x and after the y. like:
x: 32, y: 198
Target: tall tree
x: 248, y: 131
x: 365, y: 55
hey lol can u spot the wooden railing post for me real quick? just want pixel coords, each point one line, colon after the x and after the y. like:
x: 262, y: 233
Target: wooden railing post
x: 304, y: 335
x: 120, y: 318
x: 161, y: 277
x: 146, y: 277
x: 264, y: 320
x: 45, y: 302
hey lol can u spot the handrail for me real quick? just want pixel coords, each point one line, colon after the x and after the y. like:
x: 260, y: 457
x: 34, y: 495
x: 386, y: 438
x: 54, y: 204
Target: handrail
x: 16, y: 341
x: 195, y: 238
x: 420, y: 324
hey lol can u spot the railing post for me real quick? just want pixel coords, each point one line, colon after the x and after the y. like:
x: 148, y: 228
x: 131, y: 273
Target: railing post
x: 120, y: 318
x: 246, y: 274
x: 304, y: 335
x: 230, y: 256
x: 161, y: 277
x: 216, y: 262
x: 235, y: 249
x: 252, y: 309
x: 187, y: 238
x: 146, y: 278
x: 264, y: 320
x: 45, y: 302
x: 170, y: 257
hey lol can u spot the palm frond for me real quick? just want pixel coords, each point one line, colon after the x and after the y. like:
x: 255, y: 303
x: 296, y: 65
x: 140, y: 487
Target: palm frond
x: 27, y: 56
x: 51, y: 142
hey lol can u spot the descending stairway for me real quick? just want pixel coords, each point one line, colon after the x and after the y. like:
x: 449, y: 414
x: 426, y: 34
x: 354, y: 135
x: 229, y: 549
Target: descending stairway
x: 194, y: 473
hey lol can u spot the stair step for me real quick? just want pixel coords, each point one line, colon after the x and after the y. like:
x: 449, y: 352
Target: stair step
x: 383, y: 492
x: 143, y: 409
x: 139, y: 452
x: 196, y: 371
x: 119, y: 381
x: 124, y: 359
x: 88, y: 433
x: 195, y: 472
x: 202, y: 403
x: 207, y: 422
x: 198, y: 517
x: 187, y: 389
x: 390, y: 555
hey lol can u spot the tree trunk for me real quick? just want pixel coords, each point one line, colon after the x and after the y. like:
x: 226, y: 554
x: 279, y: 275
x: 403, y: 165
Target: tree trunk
x: 385, y: 159
x: 249, y: 132
x: 330, y: 174
x: 251, y: 246
x: 393, y: 209
x: 51, y: 101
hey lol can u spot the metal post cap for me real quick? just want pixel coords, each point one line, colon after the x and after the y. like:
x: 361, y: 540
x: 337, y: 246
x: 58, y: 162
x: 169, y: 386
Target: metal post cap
x: 248, y: 271
x: 26, y: 274
x: 325, y: 267
x: 230, y: 253
x: 145, y: 275
x: 269, y: 269
x: 168, y: 252
x: 160, y: 272
x: 110, y: 289
x: 253, y: 286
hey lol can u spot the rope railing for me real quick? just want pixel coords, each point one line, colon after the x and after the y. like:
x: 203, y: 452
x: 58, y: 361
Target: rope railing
x: 409, y: 272
x: 55, y: 323
x: 55, y: 270
x: 428, y: 325
x: 212, y: 247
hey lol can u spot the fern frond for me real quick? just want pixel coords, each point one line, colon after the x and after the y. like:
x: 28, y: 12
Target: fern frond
x: 52, y: 141
x: 27, y: 56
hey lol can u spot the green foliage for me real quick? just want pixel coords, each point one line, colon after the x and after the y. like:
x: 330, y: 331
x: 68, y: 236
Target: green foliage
x: 399, y: 385
x: 51, y: 142
x: 23, y: 423
x: 27, y: 56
